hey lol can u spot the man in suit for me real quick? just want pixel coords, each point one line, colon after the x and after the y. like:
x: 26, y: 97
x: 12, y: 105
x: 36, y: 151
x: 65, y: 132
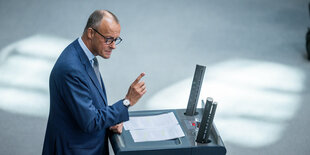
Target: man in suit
x: 80, y: 118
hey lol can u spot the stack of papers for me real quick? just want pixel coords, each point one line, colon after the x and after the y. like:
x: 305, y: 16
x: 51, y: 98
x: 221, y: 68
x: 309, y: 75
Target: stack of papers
x: 154, y: 128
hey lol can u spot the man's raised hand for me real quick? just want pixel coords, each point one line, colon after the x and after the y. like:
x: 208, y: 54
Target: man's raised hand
x: 136, y: 90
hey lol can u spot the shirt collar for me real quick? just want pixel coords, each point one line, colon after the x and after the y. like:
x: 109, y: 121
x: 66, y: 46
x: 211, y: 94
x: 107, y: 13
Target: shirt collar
x: 89, y: 54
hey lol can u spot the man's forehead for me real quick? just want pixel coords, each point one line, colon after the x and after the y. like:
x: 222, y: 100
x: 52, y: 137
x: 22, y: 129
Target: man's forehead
x: 109, y: 22
x: 111, y: 29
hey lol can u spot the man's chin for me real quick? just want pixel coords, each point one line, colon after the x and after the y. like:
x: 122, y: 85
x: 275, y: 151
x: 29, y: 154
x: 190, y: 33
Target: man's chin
x: 105, y: 56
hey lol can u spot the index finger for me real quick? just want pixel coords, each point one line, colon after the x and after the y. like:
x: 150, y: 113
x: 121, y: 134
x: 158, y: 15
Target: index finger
x: 138, y: 78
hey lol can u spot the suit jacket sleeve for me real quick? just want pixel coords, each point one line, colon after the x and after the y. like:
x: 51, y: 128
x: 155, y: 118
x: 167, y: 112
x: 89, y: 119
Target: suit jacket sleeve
x: 78, y: 98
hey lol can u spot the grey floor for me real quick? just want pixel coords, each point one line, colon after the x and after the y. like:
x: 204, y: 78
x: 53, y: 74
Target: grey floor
x: 254, y: 52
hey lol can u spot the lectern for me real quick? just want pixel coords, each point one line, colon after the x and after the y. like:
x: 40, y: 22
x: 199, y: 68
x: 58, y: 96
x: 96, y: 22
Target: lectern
x: 201, y: 137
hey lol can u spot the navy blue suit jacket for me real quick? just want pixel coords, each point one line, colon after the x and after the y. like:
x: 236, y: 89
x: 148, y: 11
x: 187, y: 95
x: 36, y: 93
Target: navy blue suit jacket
x: 79, y: 117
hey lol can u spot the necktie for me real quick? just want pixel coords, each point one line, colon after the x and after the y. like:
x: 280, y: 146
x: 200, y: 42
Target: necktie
x: 96, y: 69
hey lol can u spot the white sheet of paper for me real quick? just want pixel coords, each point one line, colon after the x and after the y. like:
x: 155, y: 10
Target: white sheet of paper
x: 157, y: 134
x: 154, y: 128
x: 151, y: 122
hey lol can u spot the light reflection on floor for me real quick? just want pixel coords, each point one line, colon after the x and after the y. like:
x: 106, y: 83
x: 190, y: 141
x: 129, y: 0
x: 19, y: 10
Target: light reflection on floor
x: 255, y: 98
x: 25, y: 67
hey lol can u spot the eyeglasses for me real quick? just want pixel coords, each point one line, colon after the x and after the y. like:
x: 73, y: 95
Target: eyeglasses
x: 110, y: 40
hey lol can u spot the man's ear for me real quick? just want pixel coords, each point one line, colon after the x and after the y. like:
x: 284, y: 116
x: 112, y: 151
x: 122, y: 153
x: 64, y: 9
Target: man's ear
x: 90, y: 33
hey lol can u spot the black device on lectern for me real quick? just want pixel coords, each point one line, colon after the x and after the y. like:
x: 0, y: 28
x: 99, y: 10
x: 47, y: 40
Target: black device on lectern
x: 206, y: 121
x: 195, y: 90
x: 206, y: 140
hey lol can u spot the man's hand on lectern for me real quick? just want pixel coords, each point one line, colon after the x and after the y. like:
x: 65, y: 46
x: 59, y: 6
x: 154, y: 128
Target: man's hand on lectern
x: 118, y: 128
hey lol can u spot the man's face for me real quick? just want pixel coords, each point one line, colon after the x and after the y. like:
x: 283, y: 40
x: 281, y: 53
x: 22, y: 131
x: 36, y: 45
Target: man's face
x: 109, y: 29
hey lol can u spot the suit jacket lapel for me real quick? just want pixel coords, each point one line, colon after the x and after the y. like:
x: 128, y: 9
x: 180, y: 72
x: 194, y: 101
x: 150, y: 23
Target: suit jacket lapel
x: 105, y: 94
x: 90, y: 71
x: 92, y: 75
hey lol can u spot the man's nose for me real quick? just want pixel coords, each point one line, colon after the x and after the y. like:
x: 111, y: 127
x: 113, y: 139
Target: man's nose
x: 112, y: 45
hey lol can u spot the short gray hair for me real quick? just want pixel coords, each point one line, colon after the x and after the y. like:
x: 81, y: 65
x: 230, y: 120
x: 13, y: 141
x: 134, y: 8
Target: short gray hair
x: 95, y: 18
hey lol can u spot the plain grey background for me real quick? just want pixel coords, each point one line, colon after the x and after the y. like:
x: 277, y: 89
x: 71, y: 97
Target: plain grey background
x: 166, y: 39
